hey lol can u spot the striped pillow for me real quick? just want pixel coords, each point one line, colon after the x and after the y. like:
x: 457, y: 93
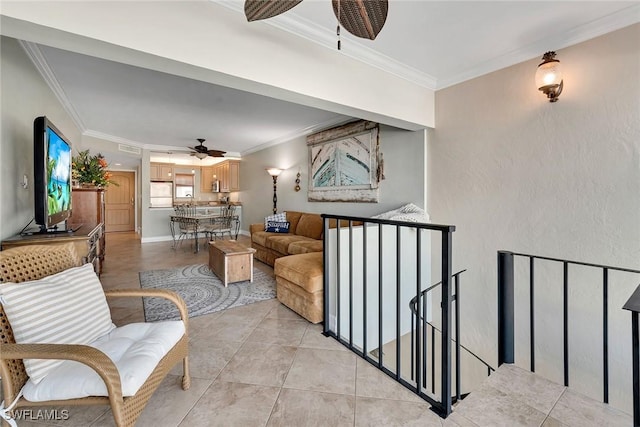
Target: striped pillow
x: 66, y: 308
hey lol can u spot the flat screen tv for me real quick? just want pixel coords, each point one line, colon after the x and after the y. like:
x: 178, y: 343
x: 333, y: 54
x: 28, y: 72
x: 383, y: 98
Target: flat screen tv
x: 52, y: 175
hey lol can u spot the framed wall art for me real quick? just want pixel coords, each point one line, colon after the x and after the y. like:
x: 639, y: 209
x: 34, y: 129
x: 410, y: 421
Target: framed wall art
x: 345, y: 163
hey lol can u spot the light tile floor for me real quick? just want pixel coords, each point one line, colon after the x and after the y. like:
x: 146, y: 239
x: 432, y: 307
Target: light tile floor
x: 263, y: 365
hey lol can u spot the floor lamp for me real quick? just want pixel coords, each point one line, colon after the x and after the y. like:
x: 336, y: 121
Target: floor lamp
x: 274, y: 172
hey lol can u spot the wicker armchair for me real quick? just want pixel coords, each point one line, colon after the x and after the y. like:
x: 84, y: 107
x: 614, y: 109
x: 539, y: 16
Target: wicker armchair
x: 34, y: 262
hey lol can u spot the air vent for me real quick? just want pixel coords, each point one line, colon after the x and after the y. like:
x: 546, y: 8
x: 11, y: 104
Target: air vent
x: 129, y: 149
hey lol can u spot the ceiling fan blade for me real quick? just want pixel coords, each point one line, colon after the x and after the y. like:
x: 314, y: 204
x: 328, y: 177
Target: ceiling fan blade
x: 255, y: 10
x: 362, y: 18
x: 199, y: 149
x: 216, y: 153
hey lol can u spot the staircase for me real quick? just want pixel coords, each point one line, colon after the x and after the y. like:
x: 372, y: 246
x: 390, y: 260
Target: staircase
x: 513, y: 396
x: 377, y: 302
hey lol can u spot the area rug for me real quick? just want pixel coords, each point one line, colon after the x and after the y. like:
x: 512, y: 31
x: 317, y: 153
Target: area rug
x: 202, y: 291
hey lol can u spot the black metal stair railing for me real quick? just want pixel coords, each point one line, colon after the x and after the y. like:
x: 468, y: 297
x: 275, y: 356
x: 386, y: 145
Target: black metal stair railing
x: 506, y: 317
x: 372, y: 269
x: 455, y: 340
x: 633, y: 305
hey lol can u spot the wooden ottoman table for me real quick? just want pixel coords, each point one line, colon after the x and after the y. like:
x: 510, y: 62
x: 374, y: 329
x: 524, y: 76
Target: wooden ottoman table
x: 231, y: 261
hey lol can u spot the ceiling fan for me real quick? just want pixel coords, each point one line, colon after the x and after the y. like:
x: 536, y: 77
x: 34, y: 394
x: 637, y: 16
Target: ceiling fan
x: 362, y: 18
x: 201, y: 151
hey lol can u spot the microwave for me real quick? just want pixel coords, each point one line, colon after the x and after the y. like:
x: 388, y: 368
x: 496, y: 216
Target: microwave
x: 215, y: 186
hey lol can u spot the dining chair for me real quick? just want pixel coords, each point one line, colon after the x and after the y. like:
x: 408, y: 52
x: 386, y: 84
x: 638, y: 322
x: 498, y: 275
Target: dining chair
x: 186, y: 226
x: 222, y: 224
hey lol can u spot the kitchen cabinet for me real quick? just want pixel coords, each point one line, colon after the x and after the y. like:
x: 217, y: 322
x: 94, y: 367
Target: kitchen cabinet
x: 161, y: 172
x: 206, y: 179
x: 88, y: 240
x: 234, y: 175
x: 224, y: 177
x: 228, y: 173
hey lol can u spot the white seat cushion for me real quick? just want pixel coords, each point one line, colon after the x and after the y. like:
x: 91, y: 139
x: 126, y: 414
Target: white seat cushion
x: 135, y: 349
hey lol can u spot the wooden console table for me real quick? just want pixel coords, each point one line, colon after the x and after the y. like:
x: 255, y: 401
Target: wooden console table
x: 88, y: 240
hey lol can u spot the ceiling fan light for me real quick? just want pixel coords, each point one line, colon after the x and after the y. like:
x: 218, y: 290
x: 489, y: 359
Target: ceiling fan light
x: 200, y: 155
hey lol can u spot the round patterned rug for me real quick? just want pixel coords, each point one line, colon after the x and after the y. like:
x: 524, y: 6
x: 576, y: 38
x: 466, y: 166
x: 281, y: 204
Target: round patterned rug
x: 202, y: 291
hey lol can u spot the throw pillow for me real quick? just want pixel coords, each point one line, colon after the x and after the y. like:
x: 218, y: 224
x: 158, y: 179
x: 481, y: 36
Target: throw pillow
x: 281, y: 217
x: 277, y: 227
x: 66, y: 308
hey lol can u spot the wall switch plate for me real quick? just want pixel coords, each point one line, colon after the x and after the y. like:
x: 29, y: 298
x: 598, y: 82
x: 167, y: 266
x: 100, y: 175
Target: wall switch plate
x: 25, y: 181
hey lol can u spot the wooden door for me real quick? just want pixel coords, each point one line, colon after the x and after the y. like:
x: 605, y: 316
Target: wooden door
x: 120, y: 203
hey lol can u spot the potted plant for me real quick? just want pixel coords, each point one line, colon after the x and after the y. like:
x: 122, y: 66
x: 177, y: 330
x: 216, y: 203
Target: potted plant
x: 90, y: 171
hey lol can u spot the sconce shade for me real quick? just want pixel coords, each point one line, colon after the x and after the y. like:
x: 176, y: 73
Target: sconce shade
x: 274, y: 171
x: 200, y: 155
x: 549, y: 76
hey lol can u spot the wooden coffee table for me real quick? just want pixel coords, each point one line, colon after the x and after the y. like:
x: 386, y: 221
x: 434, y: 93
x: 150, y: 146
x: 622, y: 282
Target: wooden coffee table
x: 231, y: 261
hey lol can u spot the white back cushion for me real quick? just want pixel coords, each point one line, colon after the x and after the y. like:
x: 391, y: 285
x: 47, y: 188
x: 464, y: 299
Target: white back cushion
x: 66, y: 308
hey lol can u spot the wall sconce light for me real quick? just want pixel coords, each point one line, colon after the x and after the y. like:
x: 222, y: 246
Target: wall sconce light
x: 274, y: 172
x: 549, y: 76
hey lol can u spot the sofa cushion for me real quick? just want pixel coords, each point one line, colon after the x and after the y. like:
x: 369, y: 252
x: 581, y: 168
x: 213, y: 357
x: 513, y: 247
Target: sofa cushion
x: 310, y: 225
x: 280, y: 242
x: 305, y: 247
x: 135, y: 349
x: 307, y: 305
x: 305, y: 270
x: 65, y: 308
x: 293, y: 217
x: 260, y: 237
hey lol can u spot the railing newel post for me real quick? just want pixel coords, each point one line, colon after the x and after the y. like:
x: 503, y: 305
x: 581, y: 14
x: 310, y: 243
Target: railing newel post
x: 445, y: 384
x: 506, y: 299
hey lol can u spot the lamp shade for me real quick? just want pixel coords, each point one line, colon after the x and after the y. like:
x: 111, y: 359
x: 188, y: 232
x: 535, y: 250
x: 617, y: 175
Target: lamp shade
x: 549, y: 72
x: 200, y: 155
x: 549, y: 76
x: 274, y: 171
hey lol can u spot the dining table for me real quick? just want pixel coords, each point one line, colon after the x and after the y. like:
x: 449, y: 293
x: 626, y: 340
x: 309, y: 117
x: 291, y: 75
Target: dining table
x: 198, y: 220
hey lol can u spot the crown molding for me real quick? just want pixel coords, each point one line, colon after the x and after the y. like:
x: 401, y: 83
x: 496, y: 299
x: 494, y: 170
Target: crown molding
x: 297, y: 134
x: 309, y: 30
x: 113, y: 138
x: 596, y: 28
x: 37, y: 58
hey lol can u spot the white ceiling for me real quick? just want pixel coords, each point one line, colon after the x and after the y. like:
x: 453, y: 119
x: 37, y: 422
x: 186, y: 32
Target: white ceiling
x: 432, y: 43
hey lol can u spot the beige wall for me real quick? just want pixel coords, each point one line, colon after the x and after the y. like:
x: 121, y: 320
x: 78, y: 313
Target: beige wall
x: 25, y: 96
x: 404, y: 163
x: 515, y: 172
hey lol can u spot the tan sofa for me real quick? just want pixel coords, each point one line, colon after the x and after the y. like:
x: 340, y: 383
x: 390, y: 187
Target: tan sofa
x: 296, y: 258
x: 304, y: 236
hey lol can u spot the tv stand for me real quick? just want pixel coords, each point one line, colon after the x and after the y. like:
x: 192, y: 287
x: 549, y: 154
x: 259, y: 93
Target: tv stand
x: 88, y: 239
